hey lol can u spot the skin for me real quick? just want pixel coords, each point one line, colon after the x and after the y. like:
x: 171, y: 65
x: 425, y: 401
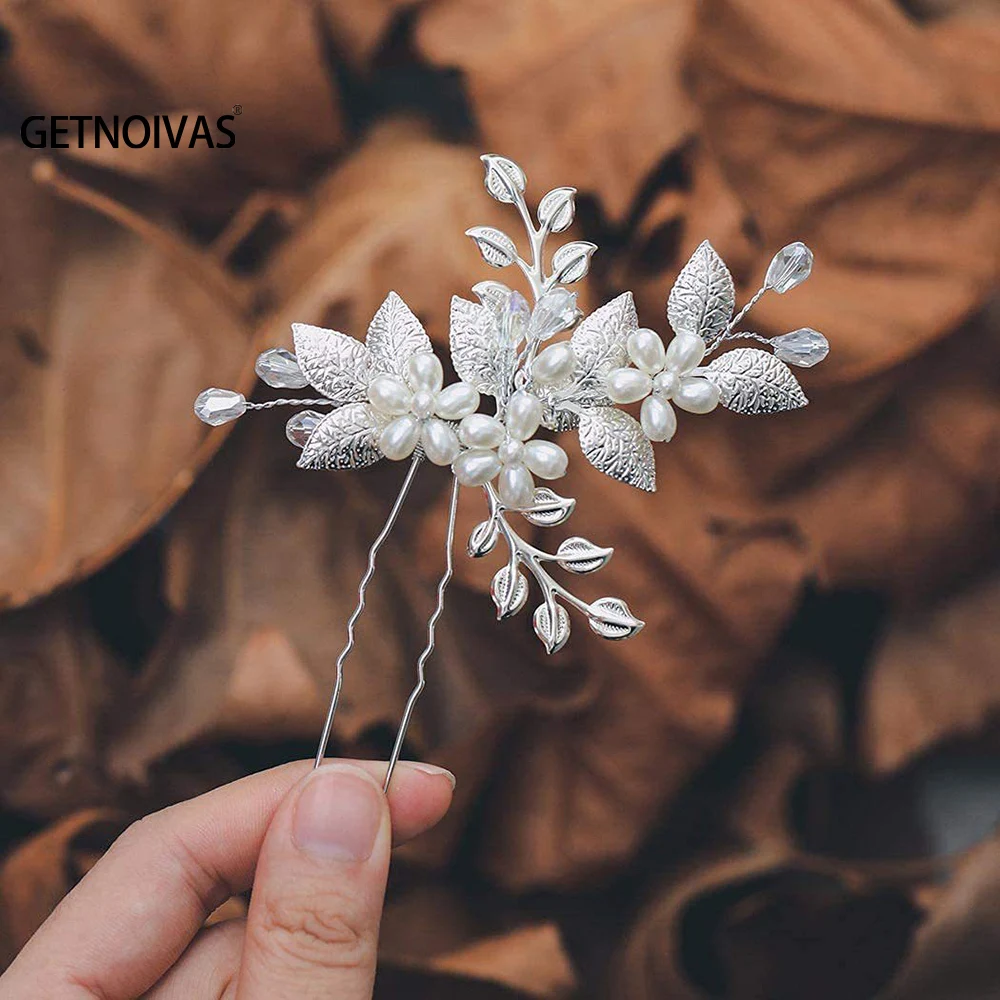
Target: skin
x: 315, y: 847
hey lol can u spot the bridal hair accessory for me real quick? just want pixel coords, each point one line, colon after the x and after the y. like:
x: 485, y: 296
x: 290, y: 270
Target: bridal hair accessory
x: 389, y: 400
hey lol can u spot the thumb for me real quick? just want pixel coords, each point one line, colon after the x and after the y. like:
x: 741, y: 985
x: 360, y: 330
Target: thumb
x: 312, y: 928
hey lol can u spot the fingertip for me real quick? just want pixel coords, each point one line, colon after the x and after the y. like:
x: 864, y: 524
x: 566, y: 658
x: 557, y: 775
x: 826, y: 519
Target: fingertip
x: 419, y: 796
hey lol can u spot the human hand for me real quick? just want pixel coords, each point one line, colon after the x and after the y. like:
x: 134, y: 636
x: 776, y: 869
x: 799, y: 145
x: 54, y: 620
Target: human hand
x: 315, y: 846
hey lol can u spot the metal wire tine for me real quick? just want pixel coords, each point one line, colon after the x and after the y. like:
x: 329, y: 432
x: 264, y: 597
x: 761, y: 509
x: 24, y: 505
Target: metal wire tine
x: 428, y: 650
x: 360, y: 607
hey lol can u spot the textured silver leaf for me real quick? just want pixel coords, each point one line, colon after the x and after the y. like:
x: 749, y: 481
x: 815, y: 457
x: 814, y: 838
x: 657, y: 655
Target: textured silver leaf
x: 497, y: 248
x: 571, y: 262
x: 394, y: 336
x: 477, y: 353
x: 753, y: 381
x: 557, y: 208
x: 504, y: 179
x: 599, y: 345
x: 579, y: 555
x: 610, y: 617
x: 613, y: 443
x: 337, y: 365
x: 703, y: 297
x: 557, y: 418
x: 483, y: 538
x: 344, y: 439
x: 554, y: 635
x: 508, y: 598
x: 548, y: 508
x: 492, y: 294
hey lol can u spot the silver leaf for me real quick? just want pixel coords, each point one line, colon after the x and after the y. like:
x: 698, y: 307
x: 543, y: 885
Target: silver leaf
x: 610, y: 617
x: 571, y: 262
x: 613, y: 443
x: 554, y: 635
x: 599, y: 345
x: 548, y: 508
x: 703, y: 297
x: 344, y: 439
x: 497, y: 248
x: 753, y: 381
x: 394, y: 336
x: 335, y: 364
x: 557, y: 208
x: 578, y: 555
x: 492, y: 294
x: 504, y: 179
x: 476, y: 351
x: 508, y: 598
x: 557, y: 418
x: 483, y: 538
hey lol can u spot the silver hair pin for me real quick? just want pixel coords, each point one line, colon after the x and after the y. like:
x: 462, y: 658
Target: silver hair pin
x: 389, y: 401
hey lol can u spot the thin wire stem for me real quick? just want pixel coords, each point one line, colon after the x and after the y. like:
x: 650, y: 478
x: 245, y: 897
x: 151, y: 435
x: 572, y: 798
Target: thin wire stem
x: 425, y: 655
x: 271, y: 403
x: 362, y: 588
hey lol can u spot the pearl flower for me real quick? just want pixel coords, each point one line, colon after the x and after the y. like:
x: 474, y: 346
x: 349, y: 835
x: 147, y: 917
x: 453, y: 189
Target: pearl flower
x: 662, y: 376
x: 504, y: 450
x: 419, y: 408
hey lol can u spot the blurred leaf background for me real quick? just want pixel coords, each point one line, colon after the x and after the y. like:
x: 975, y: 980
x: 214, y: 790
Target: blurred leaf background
x: 788, y: 786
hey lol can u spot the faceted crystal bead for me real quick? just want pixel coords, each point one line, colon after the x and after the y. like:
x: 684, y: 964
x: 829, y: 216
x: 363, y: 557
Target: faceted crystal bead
x: 790, y: 266
x: 300, y: 426
x: 514, y: 318
x: 805, y: 347
x: 555, y: 311
x: 219, y: 406
x: 280, y: 369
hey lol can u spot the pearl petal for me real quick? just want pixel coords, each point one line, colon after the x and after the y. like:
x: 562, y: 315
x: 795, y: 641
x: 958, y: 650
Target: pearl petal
x: 400, y: 437
x: 646, y: 350
x: 517, y: 488
x: 480, y: 431
x: 555, y: 364
x: 389, y: 395
x: 545, y: 459
x: 457, y: 401
x: 524, y: 414
x: 439, y: 441
x: 476, y: 467
x: 658, y: 419
x: 627, y: 385
x: 685, y: 352
x: 696, y: 395
x: 424, y: 371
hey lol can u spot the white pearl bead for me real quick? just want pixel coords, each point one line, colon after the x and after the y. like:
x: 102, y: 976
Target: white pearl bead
x: 439, y: 441
x: 658, y: 419
x: 646, y: 350
x: 555, y: 364
x: 545, y: 459
x: 422, y: 404
x: 685, y: 352
x: 696, y: 395
x: 665, y: 384
x: 457, y: 401
x: 480, y: 431
x: 510, y: 451
x: 424, y: 371
x: 524, y: 414
x: 476, y: 467
x: 399, y: 439
x: 627, y: 385
x: 517, y: 488
x: 389, y: 395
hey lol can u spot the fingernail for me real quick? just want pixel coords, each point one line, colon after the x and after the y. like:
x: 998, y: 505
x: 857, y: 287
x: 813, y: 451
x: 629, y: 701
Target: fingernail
x: 338, y: 815
x: 432, y: 769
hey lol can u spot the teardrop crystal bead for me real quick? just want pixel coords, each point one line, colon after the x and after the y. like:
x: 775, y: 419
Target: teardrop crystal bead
x: 789, y: 267
x: 514, y: 318
x: 301, y: 425
x: 280, y: 369
x: 555, y: 311
x: 219, y: 406
x: 805, y: 347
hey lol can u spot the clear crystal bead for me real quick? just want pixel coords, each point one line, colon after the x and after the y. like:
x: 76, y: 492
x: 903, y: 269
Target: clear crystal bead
x: 554, y: 311
x: 301, y: 425
x: 805, y: 347
x: 280, y: 369
x: 515, y: 317
x: 219, y: 406
x: 789, y: 267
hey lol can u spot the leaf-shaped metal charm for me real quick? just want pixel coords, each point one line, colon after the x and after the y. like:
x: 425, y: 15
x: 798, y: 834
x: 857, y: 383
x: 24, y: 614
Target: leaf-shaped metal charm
x: 752, y: 381
x: 613, y: 442
x: 579, y: 555
x: 557, y: 418
x: 483, y: 538
x: 548, y: 508
x: 599, y: 345
x: 504, y: 179
x: 571, y: 262
x: 497, y: 248
x: 344, y: 439
x: 557, y: 208
x: 394, y: 336
x: 508, y: 597
x: 703, y: 297
x: 335, y: 364
x: 610, y: 617
x: 554, y: 634
x: 492, y: 294
x: 477, y: 353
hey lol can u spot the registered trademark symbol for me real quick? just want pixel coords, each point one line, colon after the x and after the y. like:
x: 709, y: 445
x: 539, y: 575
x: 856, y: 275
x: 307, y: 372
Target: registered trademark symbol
x: 237, y: 109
